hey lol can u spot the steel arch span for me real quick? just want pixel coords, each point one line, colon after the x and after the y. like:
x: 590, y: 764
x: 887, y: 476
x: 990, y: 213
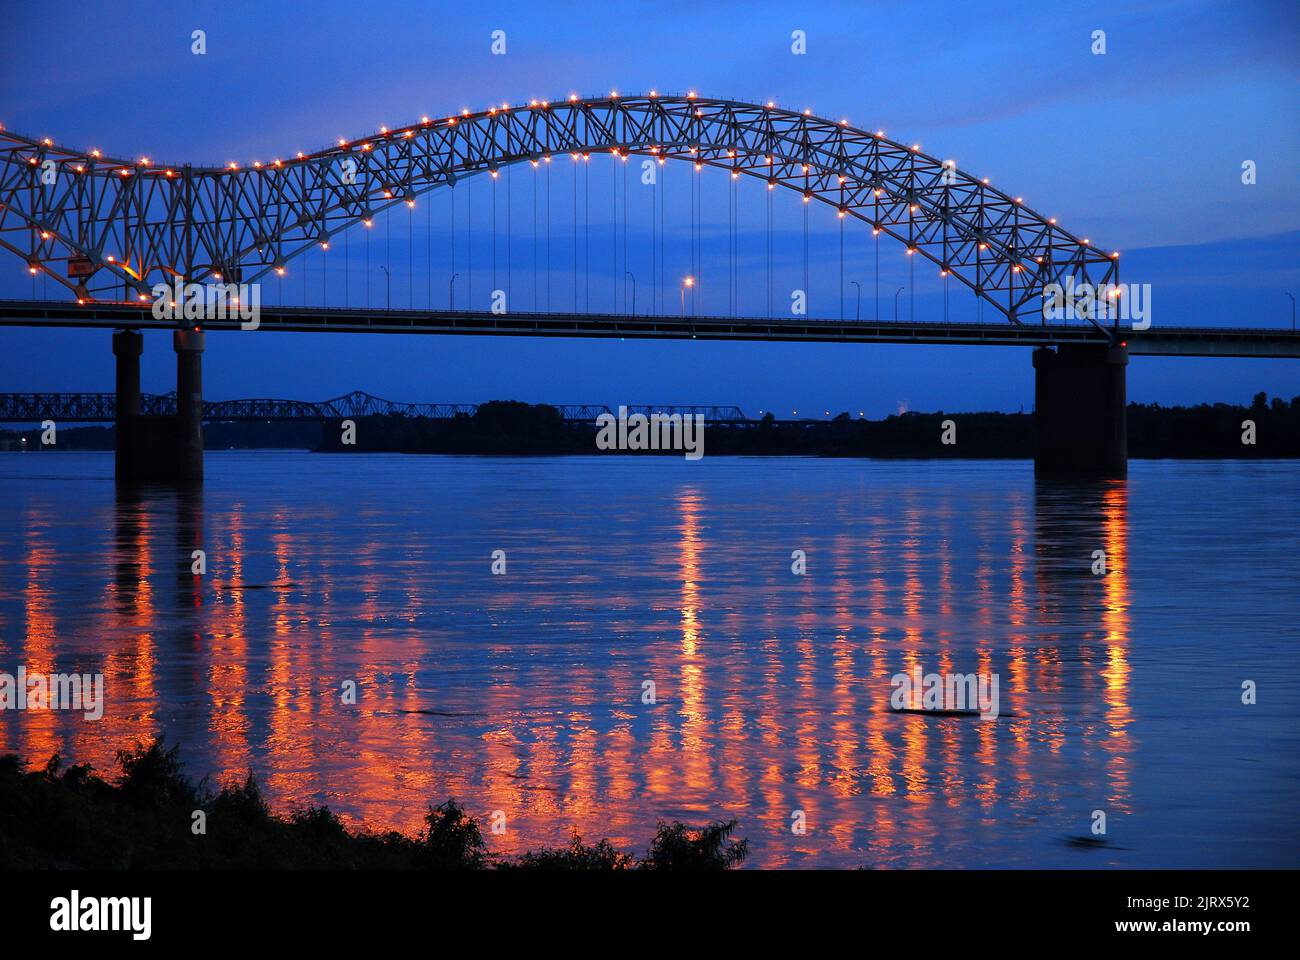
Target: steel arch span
x: 123, y: 224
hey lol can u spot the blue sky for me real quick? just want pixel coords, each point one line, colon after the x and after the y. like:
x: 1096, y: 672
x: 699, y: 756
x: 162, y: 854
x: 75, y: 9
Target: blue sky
x: 1140, y: 149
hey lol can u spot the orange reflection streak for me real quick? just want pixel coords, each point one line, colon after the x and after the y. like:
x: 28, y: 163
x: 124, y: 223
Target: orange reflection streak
x: 883, y: 830
x: 227, y: 659
x: 772, y: 786
x: 1116, y: 623
x: 290, y: 721
x: 915, y: 734
x: 124, y: 631
x: 695, y: 758
x: 36, y: 728
x: 1019, y: 613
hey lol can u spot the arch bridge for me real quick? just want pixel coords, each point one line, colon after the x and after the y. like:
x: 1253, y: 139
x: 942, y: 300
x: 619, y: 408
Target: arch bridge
x: 116, y: 233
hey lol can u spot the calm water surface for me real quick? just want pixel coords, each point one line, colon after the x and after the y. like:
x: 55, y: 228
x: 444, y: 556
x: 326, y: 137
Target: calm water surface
x: 523, y: 692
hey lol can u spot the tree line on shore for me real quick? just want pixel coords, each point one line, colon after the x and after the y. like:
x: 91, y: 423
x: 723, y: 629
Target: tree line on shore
x: 505, y: 427
x: 68, y: 817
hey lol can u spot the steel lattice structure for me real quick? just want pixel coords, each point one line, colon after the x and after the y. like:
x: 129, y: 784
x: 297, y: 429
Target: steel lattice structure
x: 117, y: 225
x: 102, y: 407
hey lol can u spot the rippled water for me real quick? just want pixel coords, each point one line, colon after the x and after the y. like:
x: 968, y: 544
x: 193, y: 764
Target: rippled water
x: 523, y: 692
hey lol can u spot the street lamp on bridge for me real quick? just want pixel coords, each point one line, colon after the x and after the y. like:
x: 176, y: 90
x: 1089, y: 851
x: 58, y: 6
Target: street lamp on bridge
x: 686, y: 282
x: 388, y: 284
x: 896, y: 293
x: 451, y: 292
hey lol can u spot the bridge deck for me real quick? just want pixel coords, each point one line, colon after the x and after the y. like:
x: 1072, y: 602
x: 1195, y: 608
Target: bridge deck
x: 1157, y: 341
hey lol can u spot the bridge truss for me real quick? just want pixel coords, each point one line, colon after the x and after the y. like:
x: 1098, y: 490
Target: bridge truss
x: 100, y: 225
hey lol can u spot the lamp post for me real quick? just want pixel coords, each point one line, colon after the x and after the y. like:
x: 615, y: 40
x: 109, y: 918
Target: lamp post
x: 1292, y: 296
x: 857, y: 313
x: 388, y: 284
x: 896, y: 293
x: 686, y: 282
x: 451, y: 292
x: 633, y: 276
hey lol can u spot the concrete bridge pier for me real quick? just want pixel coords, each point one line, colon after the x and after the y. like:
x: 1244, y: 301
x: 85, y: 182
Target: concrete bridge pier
x: 127, y: 347
x: 188, y: 345
x: 1080, y: 411
x: 159, y: 449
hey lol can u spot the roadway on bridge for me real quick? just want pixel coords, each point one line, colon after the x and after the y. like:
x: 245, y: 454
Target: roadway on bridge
x: 1156, y: 341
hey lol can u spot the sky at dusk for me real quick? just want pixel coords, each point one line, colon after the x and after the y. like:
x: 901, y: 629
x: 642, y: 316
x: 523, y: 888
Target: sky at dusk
x: 1140, y: 149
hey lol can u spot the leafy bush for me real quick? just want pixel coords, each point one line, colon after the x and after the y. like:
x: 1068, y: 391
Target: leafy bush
x: 71, y: 818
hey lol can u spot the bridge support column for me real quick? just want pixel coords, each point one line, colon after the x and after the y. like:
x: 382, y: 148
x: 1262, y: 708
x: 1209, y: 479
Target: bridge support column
x: 188, y: 345
x: 1080, y: 411
x: 127, y: 347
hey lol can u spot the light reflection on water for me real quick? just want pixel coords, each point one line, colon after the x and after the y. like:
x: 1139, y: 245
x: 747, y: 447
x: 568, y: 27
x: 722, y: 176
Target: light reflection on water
x: 523, y: 692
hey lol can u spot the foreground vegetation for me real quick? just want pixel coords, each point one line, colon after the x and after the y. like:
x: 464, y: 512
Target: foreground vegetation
x: 70, y: 818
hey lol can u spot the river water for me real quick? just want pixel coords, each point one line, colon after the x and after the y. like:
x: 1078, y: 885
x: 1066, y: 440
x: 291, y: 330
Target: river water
x: 525, y: 692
